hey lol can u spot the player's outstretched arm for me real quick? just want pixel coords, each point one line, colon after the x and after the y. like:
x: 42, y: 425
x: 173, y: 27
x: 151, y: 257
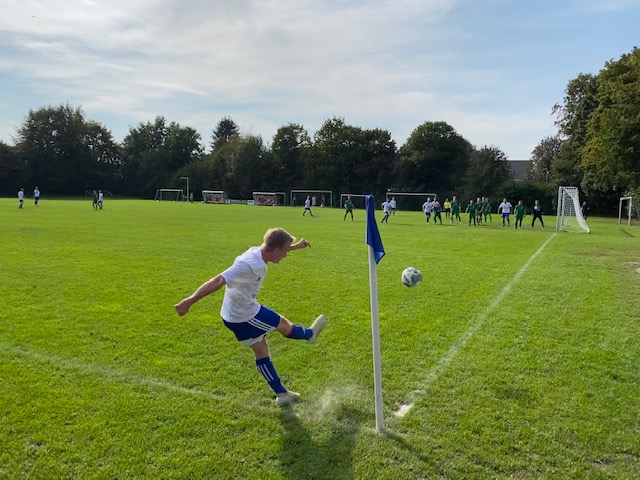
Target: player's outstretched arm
x: 302, y: 243
x: 207, y: 288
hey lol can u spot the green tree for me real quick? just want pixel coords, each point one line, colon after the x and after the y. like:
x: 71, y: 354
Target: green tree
x: 248, y: 167
x: 434, y: 158
x: 542, y: 157
x: 225, y: 131
x: 155, y: 152
x: 374, y: 173
x: 337, y: 150
x: 488, y: 169
x: 12, y: 170
x: 611, y: 159
x: 66, y: 154
x: 290, y: 151
x: 573, y: 115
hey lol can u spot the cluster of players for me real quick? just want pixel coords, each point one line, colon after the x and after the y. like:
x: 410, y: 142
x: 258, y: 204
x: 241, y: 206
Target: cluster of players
x: 98, y: 198
x: 36, y: 197
x: 479, y: 211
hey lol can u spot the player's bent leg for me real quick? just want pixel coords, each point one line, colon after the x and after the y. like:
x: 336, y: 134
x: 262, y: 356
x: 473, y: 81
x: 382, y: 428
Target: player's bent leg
x: 295, y: 332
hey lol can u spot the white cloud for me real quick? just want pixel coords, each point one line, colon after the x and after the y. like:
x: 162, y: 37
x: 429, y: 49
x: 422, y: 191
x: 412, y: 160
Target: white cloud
x: 378, y: 63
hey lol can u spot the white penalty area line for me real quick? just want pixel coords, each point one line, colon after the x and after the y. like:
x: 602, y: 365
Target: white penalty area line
x: 112, y: 374
x: 446, y: 359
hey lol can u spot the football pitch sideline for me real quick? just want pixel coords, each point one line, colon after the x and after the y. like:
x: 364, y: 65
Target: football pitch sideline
x: 516, y: 357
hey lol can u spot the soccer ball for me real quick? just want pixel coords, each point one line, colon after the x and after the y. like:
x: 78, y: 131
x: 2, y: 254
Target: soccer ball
x: 411, y: 277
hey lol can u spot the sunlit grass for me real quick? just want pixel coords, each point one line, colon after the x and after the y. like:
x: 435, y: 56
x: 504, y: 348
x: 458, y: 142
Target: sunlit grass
x: 510, y: 371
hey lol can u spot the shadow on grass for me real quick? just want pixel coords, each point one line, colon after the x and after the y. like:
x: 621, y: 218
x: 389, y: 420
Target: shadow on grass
x: 303, y: 455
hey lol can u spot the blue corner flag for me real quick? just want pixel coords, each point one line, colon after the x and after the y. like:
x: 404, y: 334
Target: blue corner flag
x: 373, y: 234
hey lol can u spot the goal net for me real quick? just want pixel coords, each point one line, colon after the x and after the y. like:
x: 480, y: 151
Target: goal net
x: 357, y: 199
x: 570, y: 217
x: 629, y: 208
x: 298, y: 197
x: 214, y: 196
x: 410, y: 200
x: 169, y: 194
x: 271, y: 199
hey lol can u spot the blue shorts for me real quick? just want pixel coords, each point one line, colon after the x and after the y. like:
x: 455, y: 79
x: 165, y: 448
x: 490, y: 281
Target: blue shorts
x: 505, y: 215
x: 253, y: 330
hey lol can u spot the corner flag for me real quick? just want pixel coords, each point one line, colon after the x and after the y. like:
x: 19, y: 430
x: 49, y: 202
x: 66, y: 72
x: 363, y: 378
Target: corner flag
x: 373, y: 234
x: 376, y: 252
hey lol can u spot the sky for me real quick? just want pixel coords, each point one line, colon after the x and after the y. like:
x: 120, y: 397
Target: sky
x: 492, y: 69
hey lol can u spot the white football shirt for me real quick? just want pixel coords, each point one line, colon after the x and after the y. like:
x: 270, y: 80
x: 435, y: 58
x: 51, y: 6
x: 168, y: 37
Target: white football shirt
x: 505, y: 207
x: 244, y: 279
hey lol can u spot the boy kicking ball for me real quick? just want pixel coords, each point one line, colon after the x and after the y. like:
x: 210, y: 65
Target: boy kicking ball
x: 245, y: 317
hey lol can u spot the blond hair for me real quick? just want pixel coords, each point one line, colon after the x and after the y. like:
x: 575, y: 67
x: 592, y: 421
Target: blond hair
x: 277, y: 238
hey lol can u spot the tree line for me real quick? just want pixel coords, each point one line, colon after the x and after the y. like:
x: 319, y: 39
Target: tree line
x: 596, y: 148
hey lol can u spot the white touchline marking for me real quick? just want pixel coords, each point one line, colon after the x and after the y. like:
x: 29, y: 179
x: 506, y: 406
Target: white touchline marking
x: 116, y: 375
x: 446, y: 359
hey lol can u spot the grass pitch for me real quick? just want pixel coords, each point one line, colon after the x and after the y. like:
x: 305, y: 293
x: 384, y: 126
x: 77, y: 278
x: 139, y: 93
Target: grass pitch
x: 517, y: 357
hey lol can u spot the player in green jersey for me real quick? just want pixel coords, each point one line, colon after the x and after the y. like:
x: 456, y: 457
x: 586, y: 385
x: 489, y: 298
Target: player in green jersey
x: 519, y: 210
x: 348, y: 208
x: 487, y: 210
x: 437, y: 209
x: 455, y: 209
x: 471, y: 210
x: 479, y: 206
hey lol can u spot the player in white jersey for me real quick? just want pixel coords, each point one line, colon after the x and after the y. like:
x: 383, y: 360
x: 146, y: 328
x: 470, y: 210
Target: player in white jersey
x: 307, y: 206
x: 36, y: 196
x: 21, y: 197
x: 505, y: 209
x: 427, y: 207
x: 245, y: 316
x: 386, y: 209
x: 100, y: 199
x: 393, y: 204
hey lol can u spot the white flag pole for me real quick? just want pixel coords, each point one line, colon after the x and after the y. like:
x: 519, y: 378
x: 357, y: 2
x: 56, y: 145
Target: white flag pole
x: 375, y: 333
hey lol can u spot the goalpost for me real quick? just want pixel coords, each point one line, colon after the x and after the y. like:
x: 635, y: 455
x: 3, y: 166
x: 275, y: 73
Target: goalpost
x: 214, y: 196
x: 170, y: 194
x: 298, y: 197
x: 416, y: 203
x: 269, y: 198
x: 359, y: 204
x: 632, y: 206
x: 570, y: 217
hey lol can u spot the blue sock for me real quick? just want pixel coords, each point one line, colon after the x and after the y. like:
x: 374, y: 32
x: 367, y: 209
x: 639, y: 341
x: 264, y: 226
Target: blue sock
x: 300, y: 333
x: 268, y: 372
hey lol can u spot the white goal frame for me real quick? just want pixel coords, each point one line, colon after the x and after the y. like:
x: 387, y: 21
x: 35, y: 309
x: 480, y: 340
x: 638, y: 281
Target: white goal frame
x: 570, y: 217
x: 343, y: 197
x: 633, y: 206
x: 178, y: 192
x: 310, y: 193
x: 280, y: 198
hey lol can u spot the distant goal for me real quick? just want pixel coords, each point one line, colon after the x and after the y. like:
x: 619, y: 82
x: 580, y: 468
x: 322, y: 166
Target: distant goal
x: 298, y: 197
x: 570, y: 217
x: 356, y: 198
x: 629, y: 208
x: 214, y: 196
x: 169, y: 195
